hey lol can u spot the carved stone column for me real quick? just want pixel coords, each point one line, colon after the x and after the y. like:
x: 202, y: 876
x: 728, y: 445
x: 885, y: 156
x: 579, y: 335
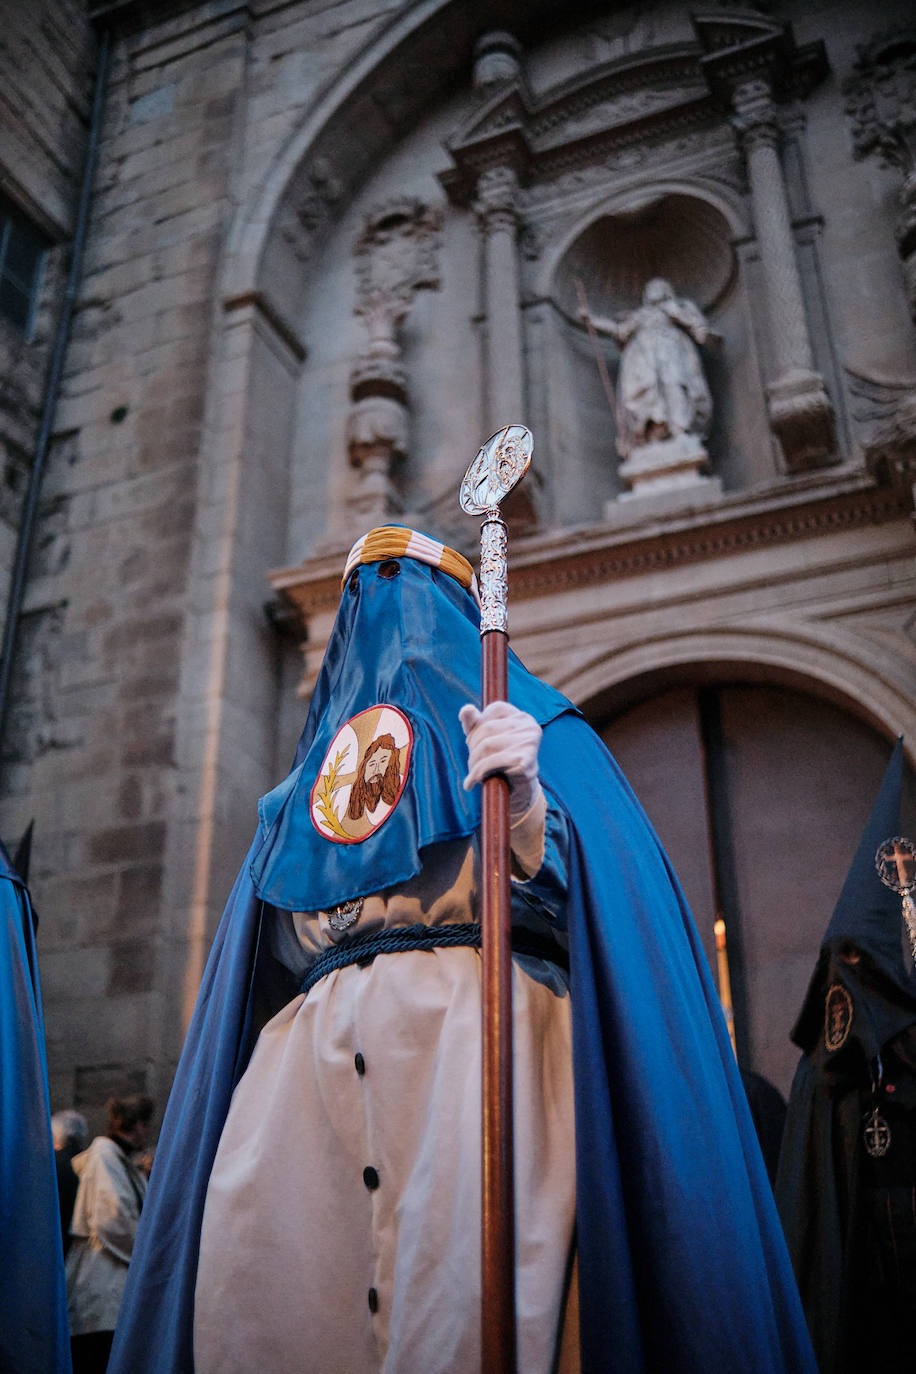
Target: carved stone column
x: 497, y: 213
x: 377, y: 425
x: 801, y: 414
x: 395, y: 258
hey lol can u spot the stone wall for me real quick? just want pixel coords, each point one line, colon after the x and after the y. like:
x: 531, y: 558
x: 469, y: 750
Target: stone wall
x: 195, y: 108
x: 205, y: 432
x: 47, y: 56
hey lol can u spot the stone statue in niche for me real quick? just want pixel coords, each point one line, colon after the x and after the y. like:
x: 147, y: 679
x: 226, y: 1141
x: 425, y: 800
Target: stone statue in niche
x: 664, y: 407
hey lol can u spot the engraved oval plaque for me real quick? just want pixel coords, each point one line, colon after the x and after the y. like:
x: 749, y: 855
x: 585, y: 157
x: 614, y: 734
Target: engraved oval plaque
x: 500, y: 463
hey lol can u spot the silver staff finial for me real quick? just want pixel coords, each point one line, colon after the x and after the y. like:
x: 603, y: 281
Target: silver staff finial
x: 500, y: 464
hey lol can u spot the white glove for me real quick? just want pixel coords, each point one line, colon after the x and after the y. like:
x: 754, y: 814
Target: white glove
x: 503, y: 739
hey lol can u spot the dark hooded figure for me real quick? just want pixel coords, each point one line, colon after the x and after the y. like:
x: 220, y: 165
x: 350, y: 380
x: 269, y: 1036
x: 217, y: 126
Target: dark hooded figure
x: 846, y: 1186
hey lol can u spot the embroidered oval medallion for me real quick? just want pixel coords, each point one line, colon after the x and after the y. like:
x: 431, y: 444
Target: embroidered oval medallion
x: 877, y: 1135
x: 363, y: 775
x: 838, y: 1017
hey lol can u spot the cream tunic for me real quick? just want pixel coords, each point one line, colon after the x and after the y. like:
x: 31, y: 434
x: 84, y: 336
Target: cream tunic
x: 341, y: 1233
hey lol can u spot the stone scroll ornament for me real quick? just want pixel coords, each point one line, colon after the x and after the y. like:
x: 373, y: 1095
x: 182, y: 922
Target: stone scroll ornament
x: 499, y: 465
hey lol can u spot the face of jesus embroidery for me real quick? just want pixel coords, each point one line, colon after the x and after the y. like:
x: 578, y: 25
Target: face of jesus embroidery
x: 362, y: 776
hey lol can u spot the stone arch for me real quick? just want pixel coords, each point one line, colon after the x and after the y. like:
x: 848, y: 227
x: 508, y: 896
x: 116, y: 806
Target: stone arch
x: 747, y: 775
x: 794, y: 656
x: 430, y: 45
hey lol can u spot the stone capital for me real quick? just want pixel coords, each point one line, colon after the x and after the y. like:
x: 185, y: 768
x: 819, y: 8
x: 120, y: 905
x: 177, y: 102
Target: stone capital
x: 755, y: 118
x: 496, y: 202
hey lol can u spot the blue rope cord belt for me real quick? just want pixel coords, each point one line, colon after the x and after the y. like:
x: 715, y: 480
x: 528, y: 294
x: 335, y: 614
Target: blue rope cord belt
x: 396, y: 938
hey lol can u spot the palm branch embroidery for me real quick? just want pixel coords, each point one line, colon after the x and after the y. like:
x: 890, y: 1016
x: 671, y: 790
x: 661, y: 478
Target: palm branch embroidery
x: 324, y: 796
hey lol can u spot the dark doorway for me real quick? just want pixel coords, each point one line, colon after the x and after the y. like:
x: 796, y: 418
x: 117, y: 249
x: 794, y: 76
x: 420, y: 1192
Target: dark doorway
x: 759, y: 793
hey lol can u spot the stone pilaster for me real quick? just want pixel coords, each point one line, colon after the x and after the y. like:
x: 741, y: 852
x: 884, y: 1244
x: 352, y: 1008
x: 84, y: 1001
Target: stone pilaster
x: 377, y: 425
x: 497, y: 213
x: 801, y: 414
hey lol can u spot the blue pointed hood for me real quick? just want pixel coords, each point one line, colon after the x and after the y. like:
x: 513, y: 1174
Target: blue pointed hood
x: 409, y: 642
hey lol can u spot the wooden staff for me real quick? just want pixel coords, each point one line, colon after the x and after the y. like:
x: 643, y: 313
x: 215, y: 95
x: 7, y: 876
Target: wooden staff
x: 501, y: 462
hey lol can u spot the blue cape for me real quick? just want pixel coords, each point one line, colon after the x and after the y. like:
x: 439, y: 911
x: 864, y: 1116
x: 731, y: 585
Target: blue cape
x: 34, y: 1335
x: 413, y: 641
x: 682, y: 1264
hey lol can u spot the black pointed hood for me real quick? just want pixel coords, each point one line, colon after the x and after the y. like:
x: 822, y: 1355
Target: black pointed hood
x: 863, y: 991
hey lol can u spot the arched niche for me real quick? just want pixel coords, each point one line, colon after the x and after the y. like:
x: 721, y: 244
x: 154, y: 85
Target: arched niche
x: 759, y: 789
x: 665, y: 231
x: 685, y: 232
x: 839, y: 667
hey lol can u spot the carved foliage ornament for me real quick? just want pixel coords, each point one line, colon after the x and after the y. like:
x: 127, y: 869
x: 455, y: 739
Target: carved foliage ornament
x: 881, y: 99
x: 396, y: 256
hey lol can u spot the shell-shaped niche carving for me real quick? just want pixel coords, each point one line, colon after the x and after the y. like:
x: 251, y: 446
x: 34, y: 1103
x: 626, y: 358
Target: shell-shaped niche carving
x: 681, y: 238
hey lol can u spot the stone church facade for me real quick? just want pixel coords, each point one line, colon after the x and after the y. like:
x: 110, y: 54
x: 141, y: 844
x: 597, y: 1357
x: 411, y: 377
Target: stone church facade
x: 329, y: 248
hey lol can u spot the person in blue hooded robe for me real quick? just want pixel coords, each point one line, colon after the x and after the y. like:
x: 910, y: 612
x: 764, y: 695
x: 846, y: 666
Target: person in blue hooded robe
x: 34, y: 1336
x: 315, y: 1197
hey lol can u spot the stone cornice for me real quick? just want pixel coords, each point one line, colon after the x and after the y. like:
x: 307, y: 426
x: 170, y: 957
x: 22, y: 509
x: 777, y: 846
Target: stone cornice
x: 565, y: 560
x: 582, y: 558
x: 541, y: 137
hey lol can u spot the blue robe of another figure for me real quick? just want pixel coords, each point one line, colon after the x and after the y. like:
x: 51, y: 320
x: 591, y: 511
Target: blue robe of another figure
x: 34, y: 1336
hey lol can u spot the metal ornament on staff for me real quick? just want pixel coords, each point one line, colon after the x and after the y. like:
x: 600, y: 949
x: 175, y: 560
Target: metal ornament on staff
x: 500, y: 464
x: 896, y: 865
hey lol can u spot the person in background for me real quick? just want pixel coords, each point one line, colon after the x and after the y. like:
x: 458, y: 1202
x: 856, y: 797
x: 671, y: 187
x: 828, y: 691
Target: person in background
x: 105, y: 1216
x: 315, y: 1203
x: 71, y: 1136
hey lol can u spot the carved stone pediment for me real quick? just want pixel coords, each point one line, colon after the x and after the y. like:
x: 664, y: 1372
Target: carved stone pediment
x: 723, y: 30
x: 615, y: 111
x: 740, y: 46
x: 630, y: 100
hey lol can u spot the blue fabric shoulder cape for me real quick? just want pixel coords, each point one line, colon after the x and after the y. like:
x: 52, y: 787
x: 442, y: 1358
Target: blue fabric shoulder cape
x: 34, y: 1335
x: 682, y: 1263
